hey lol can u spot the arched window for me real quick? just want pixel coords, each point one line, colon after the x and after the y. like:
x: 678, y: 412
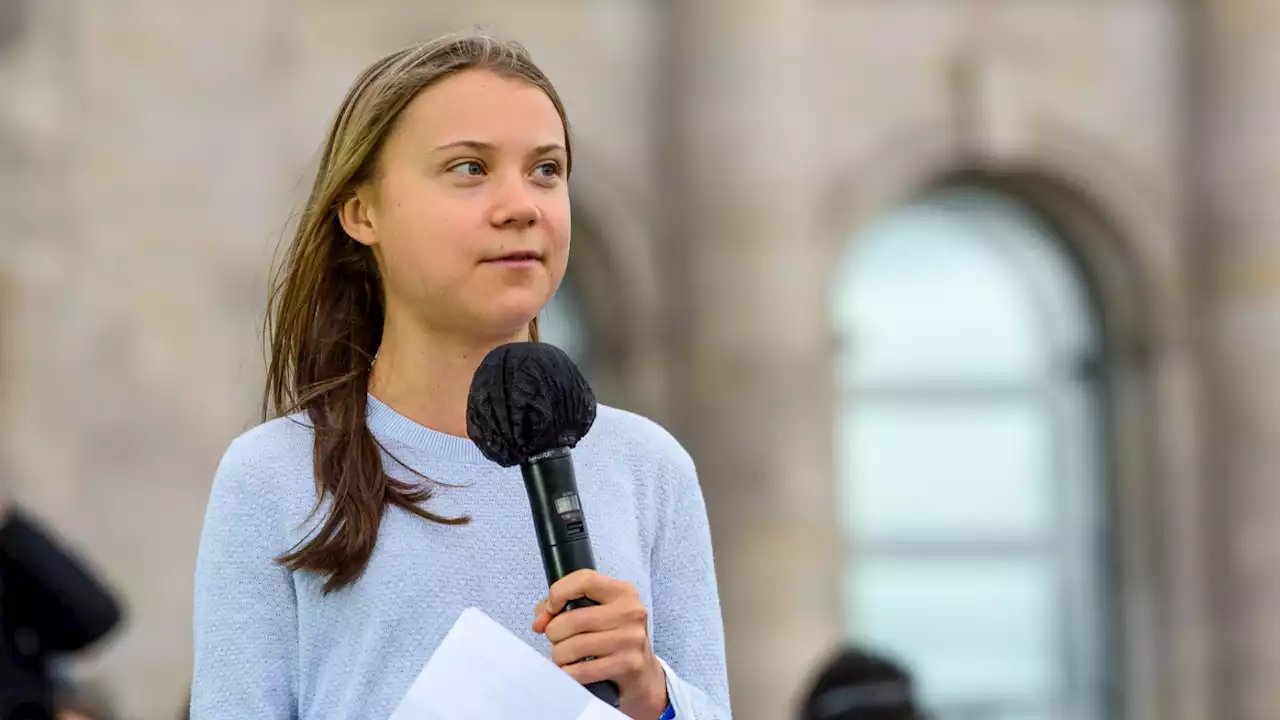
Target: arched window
x: 972, y: 481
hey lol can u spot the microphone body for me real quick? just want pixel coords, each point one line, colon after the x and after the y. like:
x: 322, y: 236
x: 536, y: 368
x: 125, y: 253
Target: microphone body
x: 561, y: 528
x: 529, y: 406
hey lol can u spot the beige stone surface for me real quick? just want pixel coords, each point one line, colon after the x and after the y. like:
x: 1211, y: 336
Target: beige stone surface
x: 151, y: 154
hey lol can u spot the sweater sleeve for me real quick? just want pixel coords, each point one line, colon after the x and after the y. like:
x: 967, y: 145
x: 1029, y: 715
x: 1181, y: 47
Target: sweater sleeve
x: 688, y: 629
x: 245, y: 626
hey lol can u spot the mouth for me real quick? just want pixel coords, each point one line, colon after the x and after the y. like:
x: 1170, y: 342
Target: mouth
x: 518, y: 258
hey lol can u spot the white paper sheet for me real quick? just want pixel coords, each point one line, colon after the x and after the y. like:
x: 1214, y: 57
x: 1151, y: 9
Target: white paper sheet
x: 481, y: 671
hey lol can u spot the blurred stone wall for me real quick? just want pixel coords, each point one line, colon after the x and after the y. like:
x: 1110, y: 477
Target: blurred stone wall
x: 151, y: 154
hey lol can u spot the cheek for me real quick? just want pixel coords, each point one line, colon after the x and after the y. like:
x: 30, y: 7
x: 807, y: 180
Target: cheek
x: 559, y: 229
x: 426, y: 253
x: 419, y: 216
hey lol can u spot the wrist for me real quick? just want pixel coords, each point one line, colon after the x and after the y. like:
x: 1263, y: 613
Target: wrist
x: 648, y: 697
x: 659, y: 699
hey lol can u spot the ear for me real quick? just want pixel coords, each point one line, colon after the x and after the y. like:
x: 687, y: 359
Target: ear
x: 357, y: 217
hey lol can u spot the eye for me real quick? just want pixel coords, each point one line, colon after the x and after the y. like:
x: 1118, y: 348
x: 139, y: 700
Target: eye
x: 468, y: 168
x: 549, y: 170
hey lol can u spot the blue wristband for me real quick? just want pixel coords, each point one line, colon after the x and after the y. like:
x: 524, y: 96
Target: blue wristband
x: 669, y: 713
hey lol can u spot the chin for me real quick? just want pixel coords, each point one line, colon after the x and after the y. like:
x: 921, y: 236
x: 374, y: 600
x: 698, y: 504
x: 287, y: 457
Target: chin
x: 512, y: 305
x: 509, y: 321
x: 504, y: 312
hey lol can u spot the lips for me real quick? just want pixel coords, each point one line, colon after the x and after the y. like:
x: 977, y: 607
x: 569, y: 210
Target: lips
x: 517, y: 257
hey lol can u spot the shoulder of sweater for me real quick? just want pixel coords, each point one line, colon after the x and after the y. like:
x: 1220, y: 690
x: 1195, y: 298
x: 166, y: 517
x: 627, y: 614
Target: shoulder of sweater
x: 261, y: 458
x: 638, y: 436
x: 281, y: 439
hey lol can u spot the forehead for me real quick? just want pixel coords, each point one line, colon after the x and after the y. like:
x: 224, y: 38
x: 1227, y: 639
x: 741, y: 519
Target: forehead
x: 482, y: 106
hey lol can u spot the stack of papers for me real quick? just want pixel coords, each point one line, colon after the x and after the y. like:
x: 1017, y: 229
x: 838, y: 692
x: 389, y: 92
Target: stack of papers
x: 481, y: 671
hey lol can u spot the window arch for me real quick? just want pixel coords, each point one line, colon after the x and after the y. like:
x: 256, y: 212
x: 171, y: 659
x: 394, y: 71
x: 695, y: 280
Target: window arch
x: 973, y: 497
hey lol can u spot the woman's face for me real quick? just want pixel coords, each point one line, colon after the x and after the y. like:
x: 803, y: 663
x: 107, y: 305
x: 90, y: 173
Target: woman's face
x: 468, y: 214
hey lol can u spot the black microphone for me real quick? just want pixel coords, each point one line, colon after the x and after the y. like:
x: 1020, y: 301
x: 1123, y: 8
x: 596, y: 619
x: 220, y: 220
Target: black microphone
x: 529, y: 406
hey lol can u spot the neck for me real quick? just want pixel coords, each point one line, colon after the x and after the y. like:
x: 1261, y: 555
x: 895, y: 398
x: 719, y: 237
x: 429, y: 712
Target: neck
x: 425, y: 376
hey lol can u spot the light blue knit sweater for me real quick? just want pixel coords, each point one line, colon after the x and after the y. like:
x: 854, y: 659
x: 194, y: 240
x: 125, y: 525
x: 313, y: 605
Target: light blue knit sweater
x: 270, y: 646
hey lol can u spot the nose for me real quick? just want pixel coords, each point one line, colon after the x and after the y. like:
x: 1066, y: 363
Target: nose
x: 514, y: 205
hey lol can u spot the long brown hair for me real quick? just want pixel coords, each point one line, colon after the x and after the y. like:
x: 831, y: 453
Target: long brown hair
x: 324, y: 322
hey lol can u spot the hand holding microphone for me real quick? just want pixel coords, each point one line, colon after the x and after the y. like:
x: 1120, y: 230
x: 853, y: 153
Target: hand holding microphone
x: 529, y: 406
x: 609, y: 641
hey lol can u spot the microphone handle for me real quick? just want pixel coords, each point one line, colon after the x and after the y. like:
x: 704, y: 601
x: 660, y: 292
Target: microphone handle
x: 562, y: 533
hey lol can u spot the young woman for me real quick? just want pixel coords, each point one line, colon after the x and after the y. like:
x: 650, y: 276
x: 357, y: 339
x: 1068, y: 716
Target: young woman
x: 345, y: 536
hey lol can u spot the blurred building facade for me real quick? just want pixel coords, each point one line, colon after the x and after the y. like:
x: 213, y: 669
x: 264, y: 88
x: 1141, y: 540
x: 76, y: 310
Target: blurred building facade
x: 760, y: 188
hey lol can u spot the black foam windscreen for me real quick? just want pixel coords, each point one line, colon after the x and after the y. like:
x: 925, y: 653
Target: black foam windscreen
x: 527, y: 398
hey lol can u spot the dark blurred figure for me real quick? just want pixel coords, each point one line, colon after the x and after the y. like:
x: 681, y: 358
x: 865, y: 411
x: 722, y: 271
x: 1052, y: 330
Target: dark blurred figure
x: 50, y: 605
x: 857, y: 685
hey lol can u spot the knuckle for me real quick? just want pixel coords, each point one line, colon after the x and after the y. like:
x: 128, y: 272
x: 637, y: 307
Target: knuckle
x: 586, y: 672
x: 560, y: 629
x: 594, y: 670
x: 599, y: 670
x: 640, y: 637
x: 599, y: 620
x: 560, y: 656
x: 619, y: 665
x: 635, y: 613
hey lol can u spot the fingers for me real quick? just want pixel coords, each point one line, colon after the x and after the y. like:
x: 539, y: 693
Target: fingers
x: 589, y: 584
x: 600, y: 618
x: 596, y: 618
x: 609, y: 667
x: 541, y: 621
x: 623, y: 641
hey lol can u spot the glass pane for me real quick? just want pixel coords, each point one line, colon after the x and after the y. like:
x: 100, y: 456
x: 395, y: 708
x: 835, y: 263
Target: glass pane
x: 977, y: 470
x: 925, y: 295
x: 563, y: 323
x: 1084, y: 514
x: 1040, y: 260
x: 976, y: 629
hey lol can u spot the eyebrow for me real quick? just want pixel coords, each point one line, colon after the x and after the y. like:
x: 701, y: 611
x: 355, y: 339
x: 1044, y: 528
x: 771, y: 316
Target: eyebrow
x: 479, y: 146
